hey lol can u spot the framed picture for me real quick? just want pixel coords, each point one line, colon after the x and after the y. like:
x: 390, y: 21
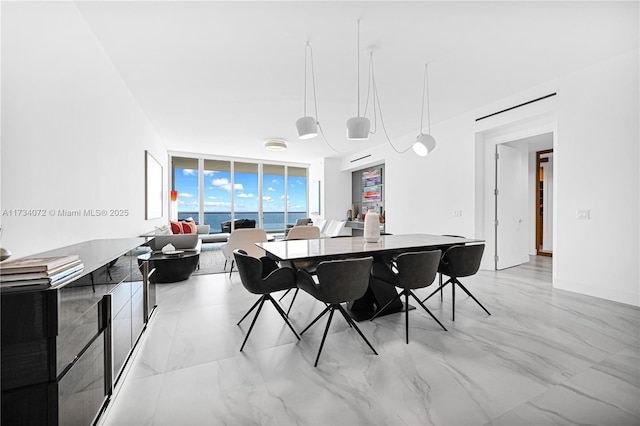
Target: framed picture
x: 153, y: 187
x: 372, y: 194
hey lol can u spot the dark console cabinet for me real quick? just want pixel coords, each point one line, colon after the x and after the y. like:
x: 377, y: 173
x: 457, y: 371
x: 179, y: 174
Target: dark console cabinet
x: 63, y: 347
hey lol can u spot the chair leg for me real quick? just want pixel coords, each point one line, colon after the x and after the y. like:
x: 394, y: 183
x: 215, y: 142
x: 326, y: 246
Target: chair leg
x: 453, y: 301
x: 406, y: 314
x: 293, y: 300
x: 471, y: 295
x: 350, y: 320
x: 225, y: 264
x: 428, y: 311
x: 283, y: 296
x: 380, y: 311
x: 346, y: 317
x: 436, y: 290
x: 283, y: 315
x: 252, y: 323
x: 324, y: 337
x: 231, y: 270
x: 440, y: 286
x: 316, y: 318
x: 249, y: 311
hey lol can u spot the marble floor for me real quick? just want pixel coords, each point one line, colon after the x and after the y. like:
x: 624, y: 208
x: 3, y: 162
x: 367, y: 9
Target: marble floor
x: 544, y: 357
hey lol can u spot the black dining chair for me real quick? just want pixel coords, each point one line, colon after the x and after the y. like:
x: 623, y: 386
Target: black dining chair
x: 458, y: 262
x: 263, y: 276
x: 339, y: 281
x: 408, y: 271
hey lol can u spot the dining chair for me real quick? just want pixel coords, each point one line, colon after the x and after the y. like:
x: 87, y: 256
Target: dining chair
x: 458, y: 262
x: 339, y: 281
x: 408, y: 271
x: 263, y: 276
x: 245, y: 239
x: 300, y: 233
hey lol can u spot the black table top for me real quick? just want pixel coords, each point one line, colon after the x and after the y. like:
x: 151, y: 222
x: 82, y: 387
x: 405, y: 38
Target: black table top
x: 158, y: 255
x: 357, y: 247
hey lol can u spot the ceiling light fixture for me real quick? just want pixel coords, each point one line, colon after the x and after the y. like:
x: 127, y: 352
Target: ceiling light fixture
x: 275, y: 145
x: 425, y: 143
x: 308, y: 126
x: 358, y: 127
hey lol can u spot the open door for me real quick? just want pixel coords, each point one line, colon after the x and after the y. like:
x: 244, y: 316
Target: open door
x: 510, y: 206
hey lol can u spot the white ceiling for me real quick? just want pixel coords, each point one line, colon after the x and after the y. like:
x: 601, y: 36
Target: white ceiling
x: 221, y: 77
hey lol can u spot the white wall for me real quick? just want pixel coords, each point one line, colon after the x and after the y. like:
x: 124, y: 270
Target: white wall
x: 596, y: 167
x: 335, y: 187
x: 73, y: 137
x: 597, y: 170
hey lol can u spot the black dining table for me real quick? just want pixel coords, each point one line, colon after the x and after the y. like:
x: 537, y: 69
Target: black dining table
x: 388, y: 246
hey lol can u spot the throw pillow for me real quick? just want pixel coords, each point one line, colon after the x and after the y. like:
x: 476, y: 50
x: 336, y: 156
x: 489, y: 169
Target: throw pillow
x: 176, y: 228
x: 188, y: 227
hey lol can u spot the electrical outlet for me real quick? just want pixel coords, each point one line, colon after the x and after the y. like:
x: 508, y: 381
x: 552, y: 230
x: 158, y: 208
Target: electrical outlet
x: 457, y: 213
x: 583, y: 214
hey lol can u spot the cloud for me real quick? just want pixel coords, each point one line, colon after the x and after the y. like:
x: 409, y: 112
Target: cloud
x: 243, y: 195
x: 267, y: 199
x: 186, y: 195
x: 188, y: 203
x: 189, y: 172
x: 212, y: 197
x: 270, y: 189
x: 282, y: 197
x: 226, y: 185
x: 217, y: 203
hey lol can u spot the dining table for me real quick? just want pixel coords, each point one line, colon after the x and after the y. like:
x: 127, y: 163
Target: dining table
x: 378, y: 293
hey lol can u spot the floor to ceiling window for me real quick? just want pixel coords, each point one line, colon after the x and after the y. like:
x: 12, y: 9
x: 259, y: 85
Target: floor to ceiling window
x: 217, y: 193
x: 184, y: 173
x: 296, y: 194
x: 273, y: 195
x: 213, y: 191
x: 245, y: 191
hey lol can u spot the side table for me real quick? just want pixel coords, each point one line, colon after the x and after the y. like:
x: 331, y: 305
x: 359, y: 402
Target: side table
x: 171, y: 268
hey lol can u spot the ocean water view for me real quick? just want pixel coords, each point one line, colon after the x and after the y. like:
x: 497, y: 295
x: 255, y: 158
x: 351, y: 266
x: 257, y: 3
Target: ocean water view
x: 272, y: 221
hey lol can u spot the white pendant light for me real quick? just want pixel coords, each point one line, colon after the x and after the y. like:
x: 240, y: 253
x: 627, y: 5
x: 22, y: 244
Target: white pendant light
x: 358, y: 127
x: 308, y: 126
x: 425, y: 143
x: 275, y: 145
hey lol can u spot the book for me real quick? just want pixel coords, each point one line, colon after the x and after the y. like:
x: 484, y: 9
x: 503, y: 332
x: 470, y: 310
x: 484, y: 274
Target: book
x: 35, y: 264
x: 43, y: 274
x: 54, y: 279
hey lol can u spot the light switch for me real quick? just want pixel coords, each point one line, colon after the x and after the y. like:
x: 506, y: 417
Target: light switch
x: 583, y: 214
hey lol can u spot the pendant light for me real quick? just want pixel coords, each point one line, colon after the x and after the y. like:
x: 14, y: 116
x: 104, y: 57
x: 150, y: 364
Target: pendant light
x: 425, y: 143
x: 308, y: 126
x: 358, y: 127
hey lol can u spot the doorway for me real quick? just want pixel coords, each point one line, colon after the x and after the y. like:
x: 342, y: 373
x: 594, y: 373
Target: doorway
x: 544, y: 202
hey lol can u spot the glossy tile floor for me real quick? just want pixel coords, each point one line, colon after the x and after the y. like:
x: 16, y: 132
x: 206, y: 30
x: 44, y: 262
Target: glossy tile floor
x: 543, y: 357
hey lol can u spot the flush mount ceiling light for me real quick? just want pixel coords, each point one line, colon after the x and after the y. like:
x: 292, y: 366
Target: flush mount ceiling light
x: 275, y: 145
x: 425, y: 143
x: 358, y: 127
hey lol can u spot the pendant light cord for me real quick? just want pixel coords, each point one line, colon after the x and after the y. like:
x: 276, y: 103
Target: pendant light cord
x: 425, y: 90
x: 376, y: 106
x: 315, y: 98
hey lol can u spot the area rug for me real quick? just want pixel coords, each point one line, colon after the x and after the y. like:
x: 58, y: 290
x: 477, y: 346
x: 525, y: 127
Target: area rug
x: 211, y: 259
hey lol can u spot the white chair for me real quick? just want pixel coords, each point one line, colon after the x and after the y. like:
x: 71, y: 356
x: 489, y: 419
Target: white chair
x: 321, y: 224
x: 335, y: 228
x: 303, y: 233
x: 245, y: 239
x: 300, y: 233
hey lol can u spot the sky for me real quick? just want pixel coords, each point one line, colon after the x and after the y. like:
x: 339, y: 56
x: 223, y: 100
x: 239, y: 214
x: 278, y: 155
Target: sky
x: 217, y: 192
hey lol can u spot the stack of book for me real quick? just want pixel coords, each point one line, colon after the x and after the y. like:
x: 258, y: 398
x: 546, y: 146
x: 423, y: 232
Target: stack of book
x: 39, y: 270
